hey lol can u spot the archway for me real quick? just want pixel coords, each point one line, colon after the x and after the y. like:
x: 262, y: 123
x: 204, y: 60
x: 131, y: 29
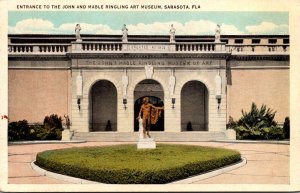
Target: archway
x: 152, y: 89
x: 103, y: 106
x: 194, y: 106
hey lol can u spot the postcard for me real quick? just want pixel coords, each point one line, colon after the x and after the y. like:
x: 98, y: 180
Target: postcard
x: 149, y: 96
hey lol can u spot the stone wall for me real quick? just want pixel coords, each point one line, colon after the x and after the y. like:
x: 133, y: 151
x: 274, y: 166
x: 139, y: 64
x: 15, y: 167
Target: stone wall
x: 33, y: 94
x: 262, y: 86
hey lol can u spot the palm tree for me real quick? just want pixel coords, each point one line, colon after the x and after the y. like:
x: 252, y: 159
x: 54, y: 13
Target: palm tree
x: 258, y: 118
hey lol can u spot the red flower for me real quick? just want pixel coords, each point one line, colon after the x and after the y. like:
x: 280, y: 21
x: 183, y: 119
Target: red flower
x: 4, y: 117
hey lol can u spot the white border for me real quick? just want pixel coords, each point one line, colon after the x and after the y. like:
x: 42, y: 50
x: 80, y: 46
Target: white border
x: 293, y: 6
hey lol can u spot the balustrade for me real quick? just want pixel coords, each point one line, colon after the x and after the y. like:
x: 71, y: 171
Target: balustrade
x: 146, y: 47
x: 257, y: 49
x: 38, y: 48
x: 198, y: 47
x: 101, y: 47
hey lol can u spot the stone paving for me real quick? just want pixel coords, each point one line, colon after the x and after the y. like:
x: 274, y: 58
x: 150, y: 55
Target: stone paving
x: 266, y: 163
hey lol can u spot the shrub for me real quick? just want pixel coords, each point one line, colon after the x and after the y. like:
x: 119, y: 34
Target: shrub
x: 231, y: 123
x: 126, y: 164
x: 18, y: 130
x: 258, y: 118
x: 49, y: 133
x: 286, y: 127
x: 34, y: 129
x: 53, y: 121
x: 257, y: 124
x: 273, y: 132
x: 51, y: 130
x: 41, y: 132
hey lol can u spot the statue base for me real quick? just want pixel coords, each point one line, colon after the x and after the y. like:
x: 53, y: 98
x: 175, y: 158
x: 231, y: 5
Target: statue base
x: 146, y: 143
x: 66, y: 135
x: 230, y: 134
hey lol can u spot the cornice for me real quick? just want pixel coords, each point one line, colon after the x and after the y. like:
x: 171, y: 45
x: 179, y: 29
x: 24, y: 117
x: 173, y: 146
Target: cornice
x: 38, y: 57
x: 260, y: 57
x: 147, y: 55
x: 69, y: 56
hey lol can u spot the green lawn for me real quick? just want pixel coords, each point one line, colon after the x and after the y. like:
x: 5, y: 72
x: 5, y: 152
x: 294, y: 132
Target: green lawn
x: 124, y: 164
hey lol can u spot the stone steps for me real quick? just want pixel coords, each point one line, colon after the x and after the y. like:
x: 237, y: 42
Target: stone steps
x: 158, y: 136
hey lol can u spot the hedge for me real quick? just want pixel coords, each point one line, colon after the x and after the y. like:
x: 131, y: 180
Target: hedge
x: 62, y: 162
x: 51, y: 129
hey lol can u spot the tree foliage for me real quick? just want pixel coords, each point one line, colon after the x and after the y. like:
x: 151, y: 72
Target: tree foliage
x: 50, y: 130
x: 258, y: 123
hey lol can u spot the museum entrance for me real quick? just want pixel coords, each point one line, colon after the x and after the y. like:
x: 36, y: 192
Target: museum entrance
x: 103, y: 106
x: 194, y: 107
x: 154, y: 91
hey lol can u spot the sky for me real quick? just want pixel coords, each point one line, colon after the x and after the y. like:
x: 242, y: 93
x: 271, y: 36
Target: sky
x: 147, y: 23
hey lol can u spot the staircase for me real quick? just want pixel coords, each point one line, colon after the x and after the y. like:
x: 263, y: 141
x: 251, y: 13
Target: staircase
x: 158, y: 136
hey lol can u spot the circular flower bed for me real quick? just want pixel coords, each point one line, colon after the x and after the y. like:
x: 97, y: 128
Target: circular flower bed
x: 125, y: 164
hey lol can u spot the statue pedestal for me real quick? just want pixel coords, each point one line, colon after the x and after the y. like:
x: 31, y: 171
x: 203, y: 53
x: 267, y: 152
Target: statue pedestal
x: 146, y: 143
x: 172, y: 47
x: 66, y: 135
x: 77, y: 46
x: 230, y: 134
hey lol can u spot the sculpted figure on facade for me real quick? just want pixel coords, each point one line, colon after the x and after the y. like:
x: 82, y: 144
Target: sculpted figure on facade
x: 149, y: 115
x: 77, y: 32
x: 67, y: 121
x: 218, y: 33
x: 149, y: 71
x: 125, y: 81
x: 172, y: 82
x: 218, y: 81
x: 125, y: 33
x: 172, y: 34
x: 79, y: 83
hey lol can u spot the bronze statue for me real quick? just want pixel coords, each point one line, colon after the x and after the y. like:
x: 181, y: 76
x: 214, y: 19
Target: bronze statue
x: 150, y: 115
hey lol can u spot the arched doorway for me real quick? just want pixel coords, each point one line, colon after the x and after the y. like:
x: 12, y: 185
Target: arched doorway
x: 194, y: 107
x: 152, y: 89
x: 103, y: 106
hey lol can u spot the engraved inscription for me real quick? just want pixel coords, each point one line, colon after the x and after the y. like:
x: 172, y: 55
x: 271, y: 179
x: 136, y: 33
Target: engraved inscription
x: 142, y: 63
x: 147, y: 47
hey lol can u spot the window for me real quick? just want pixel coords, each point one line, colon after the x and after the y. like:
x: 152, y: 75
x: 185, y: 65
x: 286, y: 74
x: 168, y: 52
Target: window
x: 272, y: 41
x: 286, y: 41
x: 255, y: 41
x: 238, y: 41
x: 225, y: 41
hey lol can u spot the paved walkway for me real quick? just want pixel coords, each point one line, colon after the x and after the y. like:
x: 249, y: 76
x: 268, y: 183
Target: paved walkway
x: 266, y: 163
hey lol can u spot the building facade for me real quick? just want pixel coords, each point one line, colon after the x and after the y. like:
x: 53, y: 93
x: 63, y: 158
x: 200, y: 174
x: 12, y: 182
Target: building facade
x: 100, y: 81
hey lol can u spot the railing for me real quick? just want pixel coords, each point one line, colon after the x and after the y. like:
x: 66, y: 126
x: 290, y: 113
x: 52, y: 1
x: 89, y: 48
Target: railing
x: 38, y: 48
x: 195, y: 47
x: 20, y: 48
x: 258, y: 49
x: 146, y: 47
x: 101, y: 46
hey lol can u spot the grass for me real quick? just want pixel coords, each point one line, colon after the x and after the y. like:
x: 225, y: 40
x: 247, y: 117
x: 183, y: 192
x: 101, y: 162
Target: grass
x: 123, y: 164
